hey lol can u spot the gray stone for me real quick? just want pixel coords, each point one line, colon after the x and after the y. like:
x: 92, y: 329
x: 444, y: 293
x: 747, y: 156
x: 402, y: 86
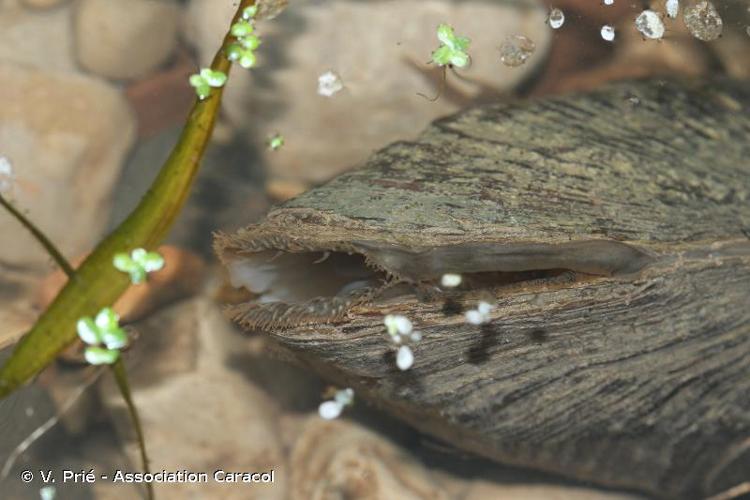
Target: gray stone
x: 41, y: 39
x: 380, y: 50
x: 66, y: 136
x: 125, y: 40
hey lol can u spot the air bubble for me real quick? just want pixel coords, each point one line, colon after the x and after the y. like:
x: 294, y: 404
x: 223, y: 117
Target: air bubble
x: 329, y: 83
x: 515, y: 50
x: 702, y: 21
x: 672, y: 7
x: 650, y: 25
x: 608, y: 32
x: 555, y: 19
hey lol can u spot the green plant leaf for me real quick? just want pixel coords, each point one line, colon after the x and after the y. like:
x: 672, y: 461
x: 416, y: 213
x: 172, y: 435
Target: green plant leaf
x: 251, y: 42
x: 234, y: 51
x: 250, y: 12
x: 101, y: 355
x: 442, y: 56
x: 115, y: 339
x: 213, y: 79
x: 445, y: 34
x: 123, y: 262
x: 107, y: 319
x: 459, y: 59
x: 88, y: 331
x: 152, y: 261
x: 242, y: 28
x: 247, y: 60
x: 196, y: 80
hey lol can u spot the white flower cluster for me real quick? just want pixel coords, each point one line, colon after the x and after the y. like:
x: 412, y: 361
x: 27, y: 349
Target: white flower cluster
x: 479, y: 315
x: 402, y: 333
x: 331, y: 409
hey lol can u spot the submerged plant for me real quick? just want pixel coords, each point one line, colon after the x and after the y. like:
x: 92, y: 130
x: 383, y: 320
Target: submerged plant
x: 452, y: 50
x: 452, y: 53
x: 138, y: 264
x: 97, y: 284
x: 104, y: 330
x: 207, y: 79
x: 242, y: 50
x: 249, y: 12
x: 480, y: 315
x: 275, y: 142
x: 331, y: 409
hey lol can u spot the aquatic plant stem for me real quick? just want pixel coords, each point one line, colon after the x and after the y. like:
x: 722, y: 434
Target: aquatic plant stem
x: 50, y: 247
x: 118, y: 369
x: 121, y: 377
x: 97, y: 283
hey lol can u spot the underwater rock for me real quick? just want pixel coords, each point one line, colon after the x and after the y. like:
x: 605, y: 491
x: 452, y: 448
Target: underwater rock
x: 43, y: 4
x: 51, y: 45
x: 382, y: 72
x: 125, y: 40
x: 340, y: 459
x: 67, y: 136
x: 612, y: 239
x: 484, y: 490
x: 198, y: 412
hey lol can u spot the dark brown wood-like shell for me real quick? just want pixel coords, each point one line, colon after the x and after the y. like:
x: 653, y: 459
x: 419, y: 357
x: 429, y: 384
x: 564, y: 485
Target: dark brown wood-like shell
x: 633, y: 368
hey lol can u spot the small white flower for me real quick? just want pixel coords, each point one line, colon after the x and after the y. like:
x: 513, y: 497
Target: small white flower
x: 329, y: 410
x: 479, y: 315
x: 484, y: 308
x: 404, y: 358
x: 397, y: 325
x: 345, y: 396
x: 6, y: 175
x: 329, y: 83
x: 450, y: 280
x: 473, y: 317
x: 402, y: 334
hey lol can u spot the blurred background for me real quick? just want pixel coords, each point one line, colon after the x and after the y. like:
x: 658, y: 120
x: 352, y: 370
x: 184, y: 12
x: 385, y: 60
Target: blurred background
x: 93, y: 94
